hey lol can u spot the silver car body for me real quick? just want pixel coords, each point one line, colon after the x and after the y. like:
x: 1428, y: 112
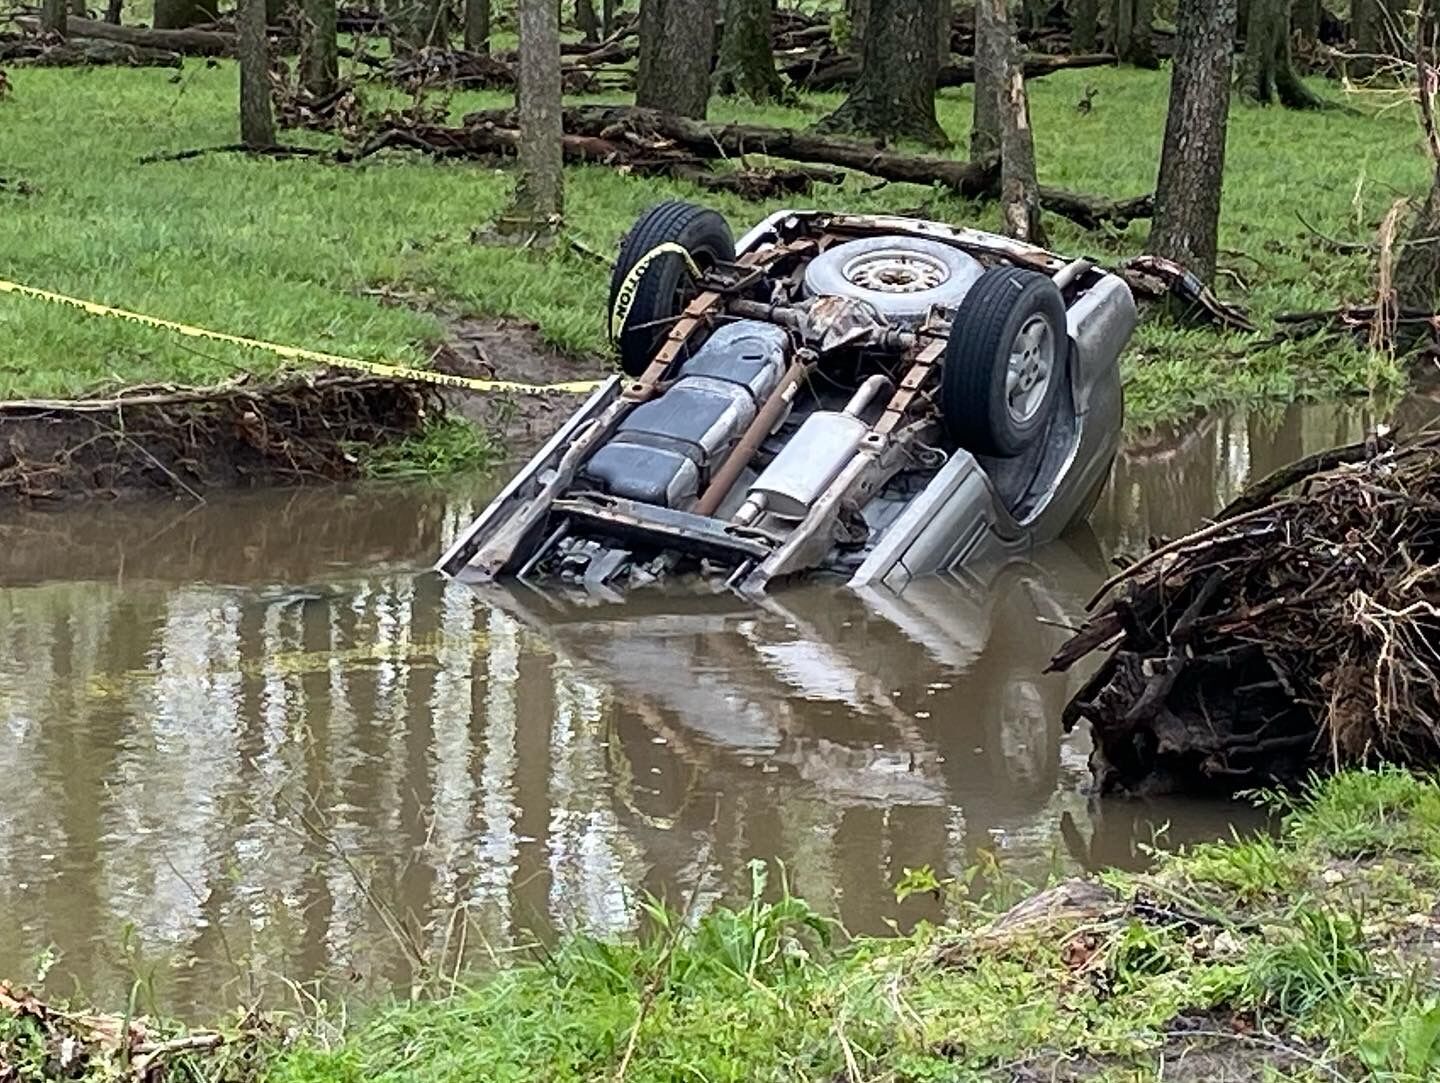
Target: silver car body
x: 972, y: 511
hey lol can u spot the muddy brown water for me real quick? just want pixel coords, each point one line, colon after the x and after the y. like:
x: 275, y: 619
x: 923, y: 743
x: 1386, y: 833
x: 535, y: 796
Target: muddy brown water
x: 242, y: 740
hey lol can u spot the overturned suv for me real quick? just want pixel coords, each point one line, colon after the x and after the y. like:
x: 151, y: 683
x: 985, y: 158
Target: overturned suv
x: 875, y: 397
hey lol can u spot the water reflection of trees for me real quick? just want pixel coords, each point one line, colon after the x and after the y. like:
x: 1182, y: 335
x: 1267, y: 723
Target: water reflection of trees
x: 1168, y: 480
x: 167, y: 742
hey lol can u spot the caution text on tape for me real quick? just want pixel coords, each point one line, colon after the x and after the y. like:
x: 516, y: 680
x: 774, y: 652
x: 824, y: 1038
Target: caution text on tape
x: 625, y: 295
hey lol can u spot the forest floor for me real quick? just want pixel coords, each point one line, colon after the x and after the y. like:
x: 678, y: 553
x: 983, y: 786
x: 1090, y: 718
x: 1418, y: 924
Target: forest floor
x: 1307, y: 954
x: 317, y: 255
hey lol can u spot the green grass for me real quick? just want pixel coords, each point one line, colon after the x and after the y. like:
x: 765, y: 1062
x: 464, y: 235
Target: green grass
x: 286, y: 250
x: 442, y: 447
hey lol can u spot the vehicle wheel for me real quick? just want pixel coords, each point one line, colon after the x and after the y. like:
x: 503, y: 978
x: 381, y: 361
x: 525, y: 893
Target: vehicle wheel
x: 666, y: 285
x: 901, y: 277
x: 1004, y: 362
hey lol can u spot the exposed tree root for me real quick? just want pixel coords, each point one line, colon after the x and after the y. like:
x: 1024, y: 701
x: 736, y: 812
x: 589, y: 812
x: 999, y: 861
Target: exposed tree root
x: 1297, y: 633
x: 184, y: 440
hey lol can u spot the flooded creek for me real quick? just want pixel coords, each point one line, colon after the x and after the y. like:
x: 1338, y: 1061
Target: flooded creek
x: 258, y: 739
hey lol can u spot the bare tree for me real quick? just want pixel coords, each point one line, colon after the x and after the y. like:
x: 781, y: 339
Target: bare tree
x: 1192, y: 164
x: 1085, y: 26
x: 477, y: 26
x: 1267, y: 71
x: 539, y: 191
x: 1132, y: 32
x: 677, y: 38
x: 54, y: 17
x: 257, y: 123
x: 416, y: 24
x: 1417, y: 272
x: 989, y: 76
x: 1378, y: 31
x: 894, y: 97
x: 747, y: 58
x: 319, y: 52
x: 857, y: 13
x: 1019, y: 191
x: 586, y: 21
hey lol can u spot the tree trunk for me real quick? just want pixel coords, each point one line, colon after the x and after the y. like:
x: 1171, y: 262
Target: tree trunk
x: 178, y: 14
x: 1085, y: 24
x: 1132, y: 33
x: 477, y: 26
x: 257, y: 124
x: 1034, y: 12
x: 1307, y: 21
x: 1267, y: 72
x: 1122, y: 22
x: 77, y: 7
x: 319, y: 59
x: 1019, y: 191
x: 1192, y: 163
x: 989, y: 76
x: 416, y: 24
x: 944, y: 22
x: 586, y: 20
x: 859, y: 13
x: 113, y: 8
x: 54, y: 17
x: 677, y: 38
x: 1377, y: 27
x: 747, y: 61
x: 538, y: 192
x: 607, y: 17
x: 1417, y: 271
x: 894, y: 98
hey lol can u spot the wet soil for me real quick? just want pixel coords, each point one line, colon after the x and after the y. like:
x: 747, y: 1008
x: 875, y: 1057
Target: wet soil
x: 180, y: 442
x: 512, y: 349
x: 185, y: 442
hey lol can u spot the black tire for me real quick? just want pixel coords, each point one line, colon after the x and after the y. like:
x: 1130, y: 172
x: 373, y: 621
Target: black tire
x: 666, y: 285
x: 974, y: 399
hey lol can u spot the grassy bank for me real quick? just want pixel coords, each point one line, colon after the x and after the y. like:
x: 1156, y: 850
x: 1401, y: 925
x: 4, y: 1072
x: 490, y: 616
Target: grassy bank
x: 1309, y: 955
x: 316, y: 255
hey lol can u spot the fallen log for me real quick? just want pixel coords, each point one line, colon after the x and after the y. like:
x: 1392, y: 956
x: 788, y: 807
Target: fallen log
x: 1092, y: 211
x: 1299, y: 632
x: 458, y: 69
x: 716, y: 141
x: 839, y: 69
x: 187, y: 42
x: 709, y: 142
x: 40, y: 53
x: 485, y: 139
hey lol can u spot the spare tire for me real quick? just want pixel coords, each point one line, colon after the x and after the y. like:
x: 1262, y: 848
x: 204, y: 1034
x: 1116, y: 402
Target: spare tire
x: 666, y: 285
x: 1004, y: 362
x: 901, y: 277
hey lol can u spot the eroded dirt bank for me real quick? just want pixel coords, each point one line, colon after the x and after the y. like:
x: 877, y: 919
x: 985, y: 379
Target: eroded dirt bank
x: 186, y: 440
x: 183, y: 441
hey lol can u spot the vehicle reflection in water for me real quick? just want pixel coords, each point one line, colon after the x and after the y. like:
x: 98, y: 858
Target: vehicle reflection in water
x: 232, y: 730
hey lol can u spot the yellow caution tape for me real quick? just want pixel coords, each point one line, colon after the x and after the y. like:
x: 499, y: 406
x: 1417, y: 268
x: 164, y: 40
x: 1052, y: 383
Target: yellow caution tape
x: 296, y: 353
x: 625, y: 295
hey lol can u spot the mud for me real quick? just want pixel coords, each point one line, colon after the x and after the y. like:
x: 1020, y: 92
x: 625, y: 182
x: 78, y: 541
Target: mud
x: 183, y: 442
x: 511, y: 349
